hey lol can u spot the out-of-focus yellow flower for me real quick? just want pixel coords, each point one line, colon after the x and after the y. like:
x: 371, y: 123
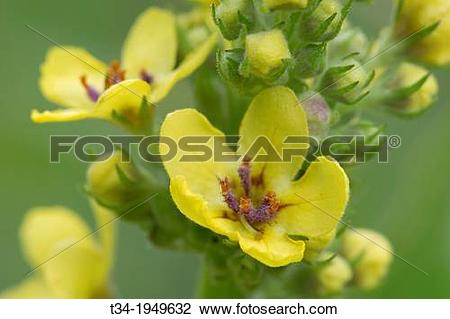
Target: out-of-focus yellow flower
x: 68, y: 261
x: 266, y: 52
x: 407, y: 75
x: 371, y: 253
x: 282, y: 4
x: 254, y: 202
x: 334, y: 275
x: 417, y: 14
x: 88, y: 88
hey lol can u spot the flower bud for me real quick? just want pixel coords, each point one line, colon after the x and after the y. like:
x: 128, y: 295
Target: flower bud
x: 310, y: 60
x: 315, y: 245
x: 348, y: 42
x: 371, y: 254
x: 323, y: 20
x: 116, y: 184
x: 334, y: 274
x: 266, y: 53
x: 318, y: 114
x: 415, y: 90
x: 228, y: 15
x: 284, y: 4
x: 415, y: 15
x: 346, y: 84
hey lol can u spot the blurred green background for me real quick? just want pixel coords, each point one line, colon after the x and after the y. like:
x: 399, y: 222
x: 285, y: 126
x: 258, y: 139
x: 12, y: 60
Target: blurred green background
x: 407, y: 199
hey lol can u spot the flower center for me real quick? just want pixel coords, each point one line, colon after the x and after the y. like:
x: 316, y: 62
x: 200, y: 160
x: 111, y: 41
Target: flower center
x: 114, y: 75
x: 244, y: 208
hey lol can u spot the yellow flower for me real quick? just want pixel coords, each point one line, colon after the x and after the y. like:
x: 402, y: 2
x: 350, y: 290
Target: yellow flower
x: 334, y: 275
x: 417, y: 14
x: 68, y: 261
x: 407, y: 75
x: 371, y: 252
x: 88, y: 88
x: 258, y: 204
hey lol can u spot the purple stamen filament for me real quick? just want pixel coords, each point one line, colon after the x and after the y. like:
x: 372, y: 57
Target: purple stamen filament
x: 114, y: 75
x: 244, y: 207
x: 92, y: 93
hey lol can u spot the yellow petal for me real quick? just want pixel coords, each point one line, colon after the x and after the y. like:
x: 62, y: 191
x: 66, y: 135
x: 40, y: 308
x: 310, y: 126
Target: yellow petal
x: 317, y: 201
x: 192, y: 61
x: 76, y: 271
x: 274, y: 248
x: 106, y: 230
x: 193, y: 206
x: 201, y: 177
x: 33, y: 287
x: 275, y: 113
x: 151, y: 44
x: 65, y: 115
x: 124, y: 98
x: 45, y: 227
x: 61, y: 72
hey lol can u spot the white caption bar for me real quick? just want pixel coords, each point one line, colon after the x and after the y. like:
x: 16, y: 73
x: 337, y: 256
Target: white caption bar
x: 197, y: 308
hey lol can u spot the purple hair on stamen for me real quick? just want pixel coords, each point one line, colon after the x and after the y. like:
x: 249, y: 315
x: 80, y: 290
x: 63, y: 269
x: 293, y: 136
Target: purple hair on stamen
x: 244, y: 175
x: 92, y: 93
x: 228, y: 195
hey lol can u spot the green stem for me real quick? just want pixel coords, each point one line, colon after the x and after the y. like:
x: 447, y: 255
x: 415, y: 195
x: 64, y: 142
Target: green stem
x: 216, y: 284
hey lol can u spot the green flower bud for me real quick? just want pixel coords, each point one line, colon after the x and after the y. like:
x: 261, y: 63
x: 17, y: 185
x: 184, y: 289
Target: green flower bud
x: 348, y: 42
x: 116, y: 184
x: 323, y: 20
x: 367, y: 129
x: 334, y: 275
x: 266, y: 54
x: 415, y: 90
x: 370, y: 252
x: 230, y: 16
x: 346, y: 84
x: 318, y: 114
x: 284, y: 4
x: 310, y: 60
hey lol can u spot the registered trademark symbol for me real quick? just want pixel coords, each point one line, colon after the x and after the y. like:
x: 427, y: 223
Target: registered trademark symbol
x: 394, y: 141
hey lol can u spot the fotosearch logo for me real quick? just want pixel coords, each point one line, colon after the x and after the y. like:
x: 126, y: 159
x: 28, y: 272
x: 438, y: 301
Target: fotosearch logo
x: 155, y: 148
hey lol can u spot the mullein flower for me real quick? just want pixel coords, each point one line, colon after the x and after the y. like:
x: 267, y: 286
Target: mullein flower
x: 413, y: 90
x: 415, y: 15
x: 258, y: 204
x: 370, y: 254
x: 68, y: 260
x: 334, y: 274
x: 88, y: 88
